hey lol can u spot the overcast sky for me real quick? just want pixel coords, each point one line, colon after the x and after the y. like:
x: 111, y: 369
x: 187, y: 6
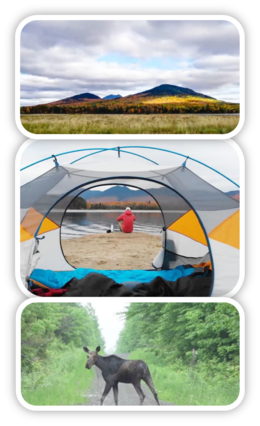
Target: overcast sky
x: 220, y: 155
x: 110, y: 322
x: 64, y: 58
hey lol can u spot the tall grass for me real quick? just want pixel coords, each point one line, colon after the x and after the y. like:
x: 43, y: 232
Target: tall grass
x: 129, y: 123
x: 62, y: 381
x: 184, y: 385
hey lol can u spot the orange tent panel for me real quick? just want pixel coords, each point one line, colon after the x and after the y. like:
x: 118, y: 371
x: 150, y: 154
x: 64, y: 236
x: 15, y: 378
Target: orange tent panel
x: 24, y: 235
x: 228, y: 231
x: 189, y: 225
x: 30, y: 223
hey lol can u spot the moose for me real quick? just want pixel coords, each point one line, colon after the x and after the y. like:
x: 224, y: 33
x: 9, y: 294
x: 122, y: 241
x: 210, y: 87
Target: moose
x: 118, y: 370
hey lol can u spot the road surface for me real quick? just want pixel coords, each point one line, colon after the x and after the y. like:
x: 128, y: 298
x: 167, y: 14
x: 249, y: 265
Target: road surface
x: 126, y: 392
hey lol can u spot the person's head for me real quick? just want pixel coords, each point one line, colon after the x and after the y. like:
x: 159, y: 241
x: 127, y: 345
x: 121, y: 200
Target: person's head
x: 127, y: 209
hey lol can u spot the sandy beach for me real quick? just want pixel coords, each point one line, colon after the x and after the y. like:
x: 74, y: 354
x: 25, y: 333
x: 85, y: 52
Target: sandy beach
x: 112, y: 251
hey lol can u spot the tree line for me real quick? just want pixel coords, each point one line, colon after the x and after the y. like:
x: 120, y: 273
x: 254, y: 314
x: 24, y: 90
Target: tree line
x: 135, y: 107
x: 121, y: 205
x: 170, y: 331
x: 52, y: 360
x: 80, y: 203
x: 48, y: 327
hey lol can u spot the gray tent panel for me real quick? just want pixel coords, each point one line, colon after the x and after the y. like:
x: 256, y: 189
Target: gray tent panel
x: 200, y: 193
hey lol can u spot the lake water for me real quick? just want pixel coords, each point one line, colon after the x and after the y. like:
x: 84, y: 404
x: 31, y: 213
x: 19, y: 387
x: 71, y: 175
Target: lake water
x: 79, y: 223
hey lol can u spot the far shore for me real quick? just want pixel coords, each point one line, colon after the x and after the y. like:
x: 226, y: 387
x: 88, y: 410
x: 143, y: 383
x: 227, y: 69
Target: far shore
x: 114, y: 211
x: 109, y: 211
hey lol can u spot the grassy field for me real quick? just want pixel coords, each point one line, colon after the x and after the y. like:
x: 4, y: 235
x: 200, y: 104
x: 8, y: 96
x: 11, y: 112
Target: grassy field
x: 129, y: 123
x: 186, y: 386
x: 62, y: 381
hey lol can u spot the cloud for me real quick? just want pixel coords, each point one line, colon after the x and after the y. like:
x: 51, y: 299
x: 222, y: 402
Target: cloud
x: 223, y: 62
x: 64, y: 58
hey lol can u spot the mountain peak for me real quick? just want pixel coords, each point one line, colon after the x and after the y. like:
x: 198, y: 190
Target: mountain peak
x: 83, y: 96
x: 172, y: 90
x: 112, y: 97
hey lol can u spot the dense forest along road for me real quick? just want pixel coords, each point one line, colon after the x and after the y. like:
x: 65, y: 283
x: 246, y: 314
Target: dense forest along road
x: 126, y: 392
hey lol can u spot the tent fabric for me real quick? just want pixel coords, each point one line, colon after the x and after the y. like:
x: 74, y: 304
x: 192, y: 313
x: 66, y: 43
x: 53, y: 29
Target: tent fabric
x: 29, y: 257
x: 194, y: 212
x: 189, y: 225
x: 32, y: 221
x: 184, y: 246
x: 228, y: 231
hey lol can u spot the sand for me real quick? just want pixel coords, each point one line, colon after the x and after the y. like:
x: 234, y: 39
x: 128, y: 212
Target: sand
x: 112, y: 251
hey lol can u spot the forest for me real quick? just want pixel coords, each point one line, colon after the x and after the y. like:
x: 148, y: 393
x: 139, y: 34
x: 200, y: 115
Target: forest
x: 192, y: 349
x: 80, y: 203
x: 52, y: 359
x: 138, y: 105
x: 121, y: 205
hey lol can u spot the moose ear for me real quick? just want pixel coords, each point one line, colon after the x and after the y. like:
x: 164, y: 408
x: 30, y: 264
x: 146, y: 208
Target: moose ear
x: 98, y: 349
x: 86, y: 349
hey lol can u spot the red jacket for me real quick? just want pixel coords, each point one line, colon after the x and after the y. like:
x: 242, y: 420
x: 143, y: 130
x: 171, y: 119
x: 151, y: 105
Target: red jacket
x: 128, y: 219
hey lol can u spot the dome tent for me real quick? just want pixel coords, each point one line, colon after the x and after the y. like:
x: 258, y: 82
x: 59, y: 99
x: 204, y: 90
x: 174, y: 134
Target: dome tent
x: 201, y: 223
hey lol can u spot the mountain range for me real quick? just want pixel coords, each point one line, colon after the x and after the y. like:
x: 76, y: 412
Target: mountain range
x: 165, y: 98
x: 123, y: 193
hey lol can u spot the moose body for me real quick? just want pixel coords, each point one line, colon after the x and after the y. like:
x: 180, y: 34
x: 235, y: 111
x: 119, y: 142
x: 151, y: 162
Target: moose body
x: 118, y: 370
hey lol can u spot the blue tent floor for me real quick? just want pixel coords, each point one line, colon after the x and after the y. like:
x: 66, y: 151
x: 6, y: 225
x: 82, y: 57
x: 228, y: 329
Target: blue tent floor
x: 53, y: 279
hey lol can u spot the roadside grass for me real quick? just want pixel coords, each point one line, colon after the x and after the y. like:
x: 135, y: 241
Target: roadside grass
x: 63, y: 380
x: 184, y: 385
x: 129, y: 123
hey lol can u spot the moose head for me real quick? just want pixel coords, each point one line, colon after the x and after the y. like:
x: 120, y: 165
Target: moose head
x: 92, y: 356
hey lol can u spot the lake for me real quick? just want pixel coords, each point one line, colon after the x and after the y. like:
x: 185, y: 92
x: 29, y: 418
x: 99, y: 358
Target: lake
x: 79, y: 223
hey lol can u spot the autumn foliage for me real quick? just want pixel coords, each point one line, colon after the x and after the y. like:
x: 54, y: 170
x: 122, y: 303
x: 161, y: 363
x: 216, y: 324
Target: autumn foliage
x: 121, y: 205
x: 137, y: 104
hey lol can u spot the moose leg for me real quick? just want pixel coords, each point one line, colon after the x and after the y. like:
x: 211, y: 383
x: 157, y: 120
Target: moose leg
x: 138, y: 389
x: 115, y: 390
x: 149, y: 382
x: 106, y: 391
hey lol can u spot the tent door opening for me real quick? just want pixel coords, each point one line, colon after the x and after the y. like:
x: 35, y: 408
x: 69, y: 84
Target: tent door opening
x: 91, y: 235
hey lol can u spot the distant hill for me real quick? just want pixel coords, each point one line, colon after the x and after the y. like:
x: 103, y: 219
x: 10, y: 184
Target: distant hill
x: 171, y: 90
x: 83, y: 97
x: 116, y: 193
x: 112, y: 97
x: 124, y: 193
x: 163, y: 99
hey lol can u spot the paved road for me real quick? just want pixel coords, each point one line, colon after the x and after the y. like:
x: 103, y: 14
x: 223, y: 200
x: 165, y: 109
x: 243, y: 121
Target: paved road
x: 126, y: 392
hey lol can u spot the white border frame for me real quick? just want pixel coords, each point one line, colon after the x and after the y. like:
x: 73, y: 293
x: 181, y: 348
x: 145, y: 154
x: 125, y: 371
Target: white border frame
x: 126, y: 18
x: 133, y: 408
x: 171, y: 299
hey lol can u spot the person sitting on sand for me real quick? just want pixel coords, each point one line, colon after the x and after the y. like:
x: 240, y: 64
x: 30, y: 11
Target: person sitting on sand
x: 126, y: 221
